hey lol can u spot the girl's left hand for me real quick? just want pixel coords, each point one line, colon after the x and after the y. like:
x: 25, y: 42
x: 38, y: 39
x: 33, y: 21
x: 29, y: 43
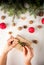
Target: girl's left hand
x: 11, y: 43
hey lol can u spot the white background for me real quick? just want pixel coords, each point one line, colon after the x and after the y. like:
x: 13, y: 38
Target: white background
x: 15, y: 57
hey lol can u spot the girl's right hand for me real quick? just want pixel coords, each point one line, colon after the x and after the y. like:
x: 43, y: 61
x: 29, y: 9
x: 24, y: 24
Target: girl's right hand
x: 28, y: 54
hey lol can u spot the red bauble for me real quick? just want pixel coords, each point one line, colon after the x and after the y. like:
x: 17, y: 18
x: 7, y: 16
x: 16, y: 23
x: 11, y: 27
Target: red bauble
x: 3, y: 25
x: 42, y: 20
x: 31, y: 29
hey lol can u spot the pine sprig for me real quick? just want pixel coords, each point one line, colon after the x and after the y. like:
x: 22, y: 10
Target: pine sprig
x: 16, y: 7
x: 22, y: 43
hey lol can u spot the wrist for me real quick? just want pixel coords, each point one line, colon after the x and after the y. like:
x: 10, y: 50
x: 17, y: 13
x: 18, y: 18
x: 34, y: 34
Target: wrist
x: 4, y: 55
x: 5, y: 52
x: 27, y: 63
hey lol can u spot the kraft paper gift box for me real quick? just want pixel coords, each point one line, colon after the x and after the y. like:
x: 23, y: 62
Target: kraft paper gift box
x: 22, y: 42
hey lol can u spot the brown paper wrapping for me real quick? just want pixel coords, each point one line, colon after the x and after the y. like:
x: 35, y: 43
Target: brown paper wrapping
x: 28, y: 43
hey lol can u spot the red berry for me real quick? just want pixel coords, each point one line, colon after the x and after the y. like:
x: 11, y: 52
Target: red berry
x: 31, y: 29
x: 42, y: 20
x: 2, y: 25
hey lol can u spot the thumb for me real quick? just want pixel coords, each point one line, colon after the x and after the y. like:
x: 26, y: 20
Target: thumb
x: 24, y: 51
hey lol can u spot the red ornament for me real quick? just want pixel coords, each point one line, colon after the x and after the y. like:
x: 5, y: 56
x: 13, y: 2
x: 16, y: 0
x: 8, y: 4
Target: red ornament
x: 42, y: 20
x: 3, y: 25
x: 31, y: 29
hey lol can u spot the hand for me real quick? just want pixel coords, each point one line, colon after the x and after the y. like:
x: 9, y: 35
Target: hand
x: 11, y: 43
x: 28, y: 54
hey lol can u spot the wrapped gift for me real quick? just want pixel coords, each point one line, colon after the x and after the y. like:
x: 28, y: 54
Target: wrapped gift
x: 22, y: 42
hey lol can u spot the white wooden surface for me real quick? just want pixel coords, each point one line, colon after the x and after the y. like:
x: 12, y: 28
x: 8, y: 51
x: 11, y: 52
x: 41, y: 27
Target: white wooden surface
x: 15, y: 57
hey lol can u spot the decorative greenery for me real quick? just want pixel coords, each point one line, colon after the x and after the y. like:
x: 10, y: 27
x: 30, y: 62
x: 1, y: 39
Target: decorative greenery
x: 21, y: 43
x: 21, y: 6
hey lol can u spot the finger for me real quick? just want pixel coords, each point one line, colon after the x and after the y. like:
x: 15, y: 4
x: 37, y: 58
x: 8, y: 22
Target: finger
x: 24, y: 51
x: 10, y: 41
x: 32, y: 52
x: 31, y: 56
x: 11, y: 36
x: 28, y: 48
x: 16, y: 40
x: 14, y: 44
